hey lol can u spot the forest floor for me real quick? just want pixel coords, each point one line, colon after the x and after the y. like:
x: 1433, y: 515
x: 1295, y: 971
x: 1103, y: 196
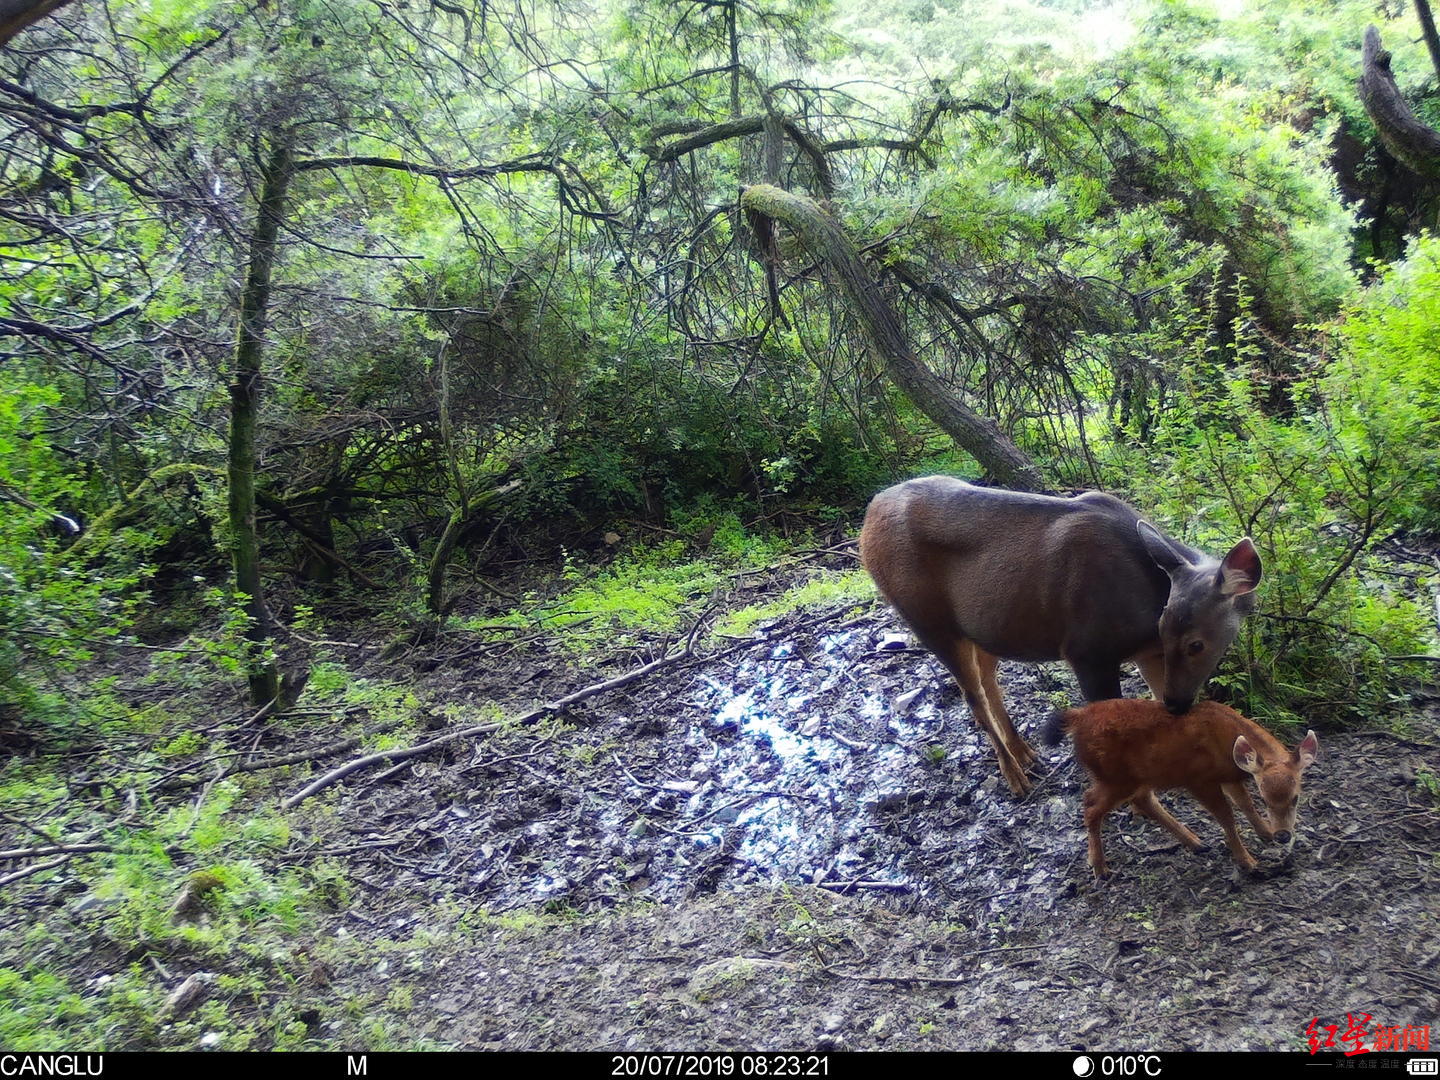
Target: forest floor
x: 794, y: 840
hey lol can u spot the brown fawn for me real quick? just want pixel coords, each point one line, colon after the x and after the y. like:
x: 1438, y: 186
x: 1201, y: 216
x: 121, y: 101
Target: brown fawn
x: 984, y: 574
x: 1133, y: 748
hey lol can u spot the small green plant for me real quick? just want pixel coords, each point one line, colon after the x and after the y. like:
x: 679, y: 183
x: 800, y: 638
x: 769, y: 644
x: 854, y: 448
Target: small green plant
x: 1428, y: 782
x: 1144, y: 917
x: 181, y: 745
x: 327, y: 680
x: 587, y: 753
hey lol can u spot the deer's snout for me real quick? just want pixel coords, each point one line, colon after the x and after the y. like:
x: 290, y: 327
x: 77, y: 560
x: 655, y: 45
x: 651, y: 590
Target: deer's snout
x: 1177, y: 705
x: 1283, y: 838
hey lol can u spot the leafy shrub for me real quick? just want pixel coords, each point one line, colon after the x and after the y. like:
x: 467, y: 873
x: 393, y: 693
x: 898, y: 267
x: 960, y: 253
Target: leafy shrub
x: 1317, y: 484
x: 53, y: 609
x: 1384, y: 387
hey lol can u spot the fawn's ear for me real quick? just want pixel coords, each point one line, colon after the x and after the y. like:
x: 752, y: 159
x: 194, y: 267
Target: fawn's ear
x: 1308, y: 750
x: 1245, y: 756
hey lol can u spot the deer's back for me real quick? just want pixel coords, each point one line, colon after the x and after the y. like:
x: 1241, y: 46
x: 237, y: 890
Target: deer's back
x: 1027, y: 577
x: 1133, y: 743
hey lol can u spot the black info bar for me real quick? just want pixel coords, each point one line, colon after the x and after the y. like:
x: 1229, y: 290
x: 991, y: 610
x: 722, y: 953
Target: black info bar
x: 121, y: 1065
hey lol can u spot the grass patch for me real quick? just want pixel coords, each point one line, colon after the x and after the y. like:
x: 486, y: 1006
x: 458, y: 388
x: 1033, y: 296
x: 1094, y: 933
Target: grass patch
x: 645, y: 591
x: 826, y: 587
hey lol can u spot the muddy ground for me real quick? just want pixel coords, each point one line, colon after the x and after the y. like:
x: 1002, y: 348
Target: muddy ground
x: 784, y: 846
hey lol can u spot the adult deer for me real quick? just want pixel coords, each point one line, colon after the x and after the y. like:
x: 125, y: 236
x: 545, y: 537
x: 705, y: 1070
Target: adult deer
x: 983, y: 574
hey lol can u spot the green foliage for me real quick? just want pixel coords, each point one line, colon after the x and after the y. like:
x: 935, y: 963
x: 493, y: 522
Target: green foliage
x: 40, y: 1011
x: 1428, y: 783
x: 54, y: 609
x: 822, y: 589
x: 1316, y: 485
x: 393, y: 706
x: 1383, y: 389
x: 647, y: 432
x: 644, y: 590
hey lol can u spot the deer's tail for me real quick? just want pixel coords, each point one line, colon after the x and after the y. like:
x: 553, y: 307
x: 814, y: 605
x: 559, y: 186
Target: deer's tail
x: 1055, y: 727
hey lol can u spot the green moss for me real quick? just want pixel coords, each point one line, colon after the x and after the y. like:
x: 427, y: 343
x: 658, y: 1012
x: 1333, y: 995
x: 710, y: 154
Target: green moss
x: 824, y: 588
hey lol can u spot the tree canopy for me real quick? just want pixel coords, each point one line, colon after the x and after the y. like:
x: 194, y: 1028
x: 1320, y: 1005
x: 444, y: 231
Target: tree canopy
x: 291, y: 281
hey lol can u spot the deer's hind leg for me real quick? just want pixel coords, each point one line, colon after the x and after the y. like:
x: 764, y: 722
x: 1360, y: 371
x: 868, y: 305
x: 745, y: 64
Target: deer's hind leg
x: 962, y: 657
x: 1020, y: 750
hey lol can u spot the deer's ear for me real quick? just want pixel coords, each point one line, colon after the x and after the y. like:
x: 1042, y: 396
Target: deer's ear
x: 1159, y: 547
x: 1308, y: 751
x: 1240, y: 570
x: 1245, y: 756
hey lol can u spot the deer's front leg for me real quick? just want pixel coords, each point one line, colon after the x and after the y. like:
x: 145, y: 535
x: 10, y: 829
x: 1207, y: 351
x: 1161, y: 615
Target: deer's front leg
x: 1240, y: 795
x: 1099, y: 680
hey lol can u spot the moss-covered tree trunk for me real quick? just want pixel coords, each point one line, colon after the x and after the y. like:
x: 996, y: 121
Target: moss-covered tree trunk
x: 244, y: 414
x: 1413, y: 143
x: 978, y: 435
x: 1427, y: 29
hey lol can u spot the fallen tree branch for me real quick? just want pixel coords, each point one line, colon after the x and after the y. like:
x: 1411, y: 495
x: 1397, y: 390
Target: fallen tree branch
x: 396, y: 756
x: 54, y: 841
x: 53, y: 849
x: 299, y: 758
x: 37, y: 868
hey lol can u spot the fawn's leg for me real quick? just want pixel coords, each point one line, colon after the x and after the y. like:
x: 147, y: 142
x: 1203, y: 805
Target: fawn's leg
x: 1213, y: 799
x: 1150, y: 807
x: 1099, y: 801
x: 1240, y: 796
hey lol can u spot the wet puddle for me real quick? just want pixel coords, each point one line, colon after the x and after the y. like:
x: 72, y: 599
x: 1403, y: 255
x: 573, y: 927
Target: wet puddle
x: 817, y: 758
x: 791, y: 765
x: 831, y: 761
